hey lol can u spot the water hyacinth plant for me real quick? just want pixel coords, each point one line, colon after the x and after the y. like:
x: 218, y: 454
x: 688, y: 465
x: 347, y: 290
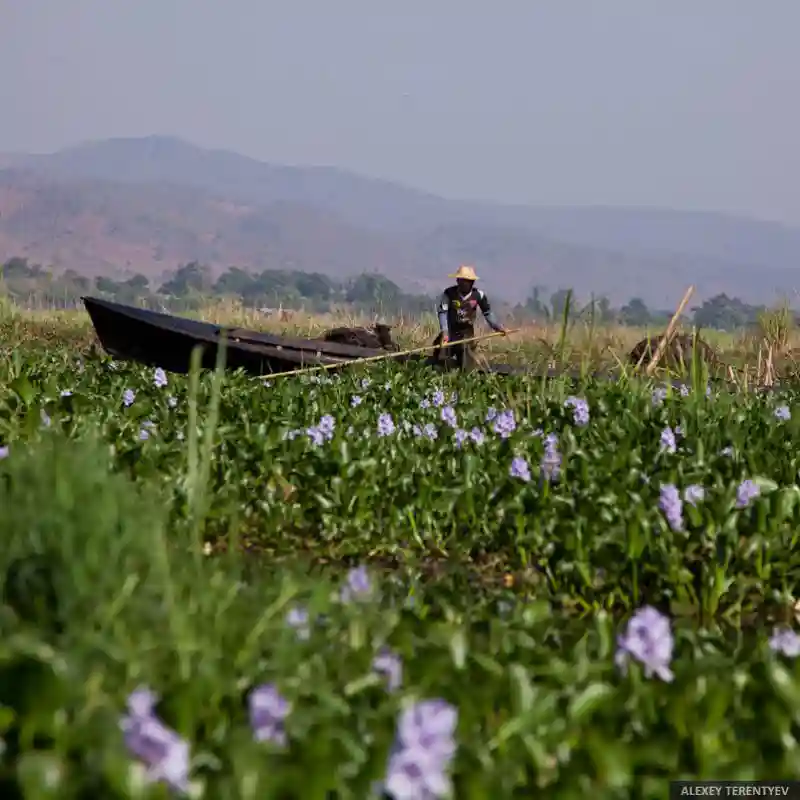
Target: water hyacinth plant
x: 391, y: 585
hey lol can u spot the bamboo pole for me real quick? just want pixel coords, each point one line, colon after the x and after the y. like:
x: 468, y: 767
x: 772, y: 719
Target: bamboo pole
x: 667, y: 337
x: 383, y: 357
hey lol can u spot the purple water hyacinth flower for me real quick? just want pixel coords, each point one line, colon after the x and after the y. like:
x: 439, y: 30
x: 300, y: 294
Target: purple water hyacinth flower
x: 694, y: 494
x: 477, y: 436
x: 671, y: 505
x: 648, y: 639
x: 386, y: 425
x: 491, y: 413
x: 415, y: 774
x: 550, y: 465
x: 505, y: 424
x: 580, y: 410
x: 429, y: 724
x: 355, y: 400
x: 390, y: 666
x: 424, y: 403
x: 460, y: 436
x: 326, y: 425
x: 66, y: 393
x: 684, y: 390
x: 430, y: 432
x: 423, y: 750
x: 782, y: 413
x: 4, y: 452
x: 416, y: 430
x: 448, y: 416
x: 668, y: 443
x: 297, y: 618
x: 162, y: 751
x: 366, y: 383
x: 726, y: 451
x: 519, y: 469
x: 357, y: 585
x: 268, y: 711
x: 679, y: 430
x: 315, y: 435
x: 159, y: 378
x: 659, y: 395
x: 786, y: 642
x: 128, y: 396
x: 746, y: 492
x: 438, y: 398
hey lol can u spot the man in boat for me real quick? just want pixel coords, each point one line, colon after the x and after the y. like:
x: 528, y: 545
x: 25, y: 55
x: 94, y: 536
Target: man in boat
x: 457, y: 310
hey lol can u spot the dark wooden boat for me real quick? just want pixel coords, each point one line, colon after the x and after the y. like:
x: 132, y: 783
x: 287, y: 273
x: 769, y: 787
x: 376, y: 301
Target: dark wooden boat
x: 163, y: 340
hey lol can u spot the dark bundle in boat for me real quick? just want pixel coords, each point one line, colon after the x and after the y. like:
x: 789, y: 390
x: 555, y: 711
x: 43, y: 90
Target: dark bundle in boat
x: 677, y: 354
x: 380, y: 337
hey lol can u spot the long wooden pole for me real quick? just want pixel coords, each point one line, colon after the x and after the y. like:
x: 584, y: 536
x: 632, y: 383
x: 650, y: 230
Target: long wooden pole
x: 383, y: 357
x: 667, y: 337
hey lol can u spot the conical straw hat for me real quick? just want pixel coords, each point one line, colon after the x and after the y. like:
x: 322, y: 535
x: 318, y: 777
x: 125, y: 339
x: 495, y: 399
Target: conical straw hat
x: 464, y: 273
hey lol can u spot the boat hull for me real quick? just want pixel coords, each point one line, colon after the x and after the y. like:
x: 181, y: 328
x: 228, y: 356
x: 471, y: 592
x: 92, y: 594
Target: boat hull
x: 163, y: 340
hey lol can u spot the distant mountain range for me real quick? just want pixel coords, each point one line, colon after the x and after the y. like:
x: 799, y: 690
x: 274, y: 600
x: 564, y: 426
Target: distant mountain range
x: 120, y: 206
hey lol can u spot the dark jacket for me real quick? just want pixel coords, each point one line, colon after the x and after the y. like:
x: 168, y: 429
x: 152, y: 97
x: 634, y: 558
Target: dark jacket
x: 457, y: 313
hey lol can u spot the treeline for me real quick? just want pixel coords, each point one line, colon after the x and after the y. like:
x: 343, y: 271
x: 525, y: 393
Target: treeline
x: 193, y: 285
x: 719, y: 312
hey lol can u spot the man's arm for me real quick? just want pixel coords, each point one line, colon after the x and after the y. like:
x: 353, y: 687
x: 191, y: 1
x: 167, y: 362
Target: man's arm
x: 442, y: 309
x: 486, y: 309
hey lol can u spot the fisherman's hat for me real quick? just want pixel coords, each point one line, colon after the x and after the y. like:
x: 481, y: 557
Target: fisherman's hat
x: 464, y: 273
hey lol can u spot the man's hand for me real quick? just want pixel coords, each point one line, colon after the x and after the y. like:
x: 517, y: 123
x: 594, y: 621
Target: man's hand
x: 445, y: 338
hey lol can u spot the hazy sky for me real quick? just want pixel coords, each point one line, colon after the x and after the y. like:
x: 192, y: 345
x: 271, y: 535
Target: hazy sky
x: 686, y: 103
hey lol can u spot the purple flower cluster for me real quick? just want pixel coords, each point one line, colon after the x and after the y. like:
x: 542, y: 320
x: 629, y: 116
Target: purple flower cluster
x: 162, y: 751
x: 386, y: 426
x: 389, y: 666
x: 419, y: 764
x: 322, y: 431
x: 782, y: 413
x: 520, y: 469
x: 694, y: 494
x: 448, y: 415
x: 647, y: 639
x: 550, y: 465
x: 671, y: 505
x: 505, y: 424
x: 659, y: 395
x: 580, y: 410
x: 747, y: 491
x: 268, y: 710
x: 668, y: 442
x: 357, y: 585
x: 786, y: 642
